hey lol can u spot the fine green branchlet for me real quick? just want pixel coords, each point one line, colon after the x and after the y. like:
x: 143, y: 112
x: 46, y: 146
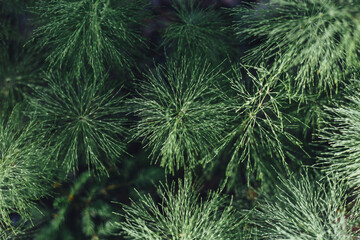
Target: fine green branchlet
x: 258, y: 125
x: 311, y: 114
x: 341, y: 132
x: 25, y: 173
x: 196, y: 30
x: 95, y: 34
x: 181, y: 112
x: 306, y: 209
x: 84, y: 120
x: 315, y: 41
x: 181, y: 214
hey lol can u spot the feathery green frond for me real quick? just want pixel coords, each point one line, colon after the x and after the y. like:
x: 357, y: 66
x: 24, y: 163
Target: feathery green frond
x: 85, y: 121
x: 341, y: 132
x: 91, y: 33
x: 316, y: 41
x: 25, y: 175
x: 181, y: 214
x: 181, y: 113
x: 305, y: 209
x: 196, y: 30
x: 257, y: 132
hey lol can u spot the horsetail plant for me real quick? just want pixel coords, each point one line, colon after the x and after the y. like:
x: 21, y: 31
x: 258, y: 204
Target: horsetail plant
x: 231, y: 97
x: 95, y: 34
x: 16, y: 77
x: 257, y: 130
x: 196, y: 30
x: 181, y: 214
x: 84, y: 119
x: 181, y: 113
x: 341, y: 134
x: 306, y: 209
x: 25, y: 169
x: 314, y: 41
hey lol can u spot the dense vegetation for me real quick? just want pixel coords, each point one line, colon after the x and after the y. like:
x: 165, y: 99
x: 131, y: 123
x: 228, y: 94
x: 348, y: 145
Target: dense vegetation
x: 179, y: 119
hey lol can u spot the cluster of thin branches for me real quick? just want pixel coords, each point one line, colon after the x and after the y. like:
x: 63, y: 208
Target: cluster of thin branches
x: 181, y: 214
x: 194, y: 109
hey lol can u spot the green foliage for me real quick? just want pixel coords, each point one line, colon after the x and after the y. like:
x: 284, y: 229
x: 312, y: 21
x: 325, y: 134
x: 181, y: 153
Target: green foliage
x: 17, y: 65
x: 257, y: 129
x: 196, y: 30
x: 10, y: 27
x: 341, y: 133
x: 82, y: 120
x: 181, y: 112
x: 312, y: 114
x: 25, y: 173
x: 4, y: 31
x: 315, y: 41
x: 62, y: 204
x: 90, y: 33
x: 94, y: 215
x: 196, y: 111
x: 181, y: 214
x: 306, y: 209
x: 17, y: 74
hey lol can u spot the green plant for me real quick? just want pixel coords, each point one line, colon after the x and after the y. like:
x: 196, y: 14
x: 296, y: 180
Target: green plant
x: 315, y: 41
x: 257, y: 124
x: 181, y: 113
x: 95, y: 217
x: 17, y: 74
x: 181, y: 214
x: 196, y: 30
x: 25, y: 169
x: 340, y: 133
x: 305, y: 209
x: 95, y: 34
x: 93, y: 91
x: 82, y: 120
